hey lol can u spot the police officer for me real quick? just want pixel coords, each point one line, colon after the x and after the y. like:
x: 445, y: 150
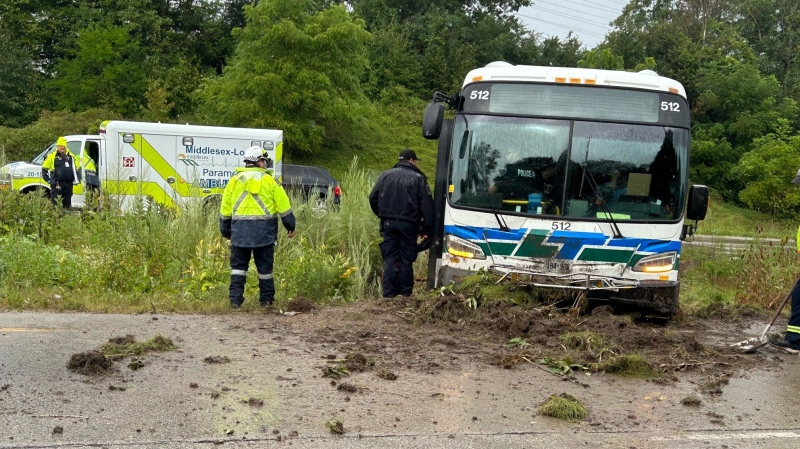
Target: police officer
x: 791, y: 341
x: 61, y: 170
x: 251, y: 203
x: 402, y: 200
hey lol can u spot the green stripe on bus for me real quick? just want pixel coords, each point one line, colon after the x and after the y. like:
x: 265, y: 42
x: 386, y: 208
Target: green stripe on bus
x: 606, y: 255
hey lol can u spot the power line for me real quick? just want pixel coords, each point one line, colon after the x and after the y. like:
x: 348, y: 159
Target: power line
x: 571, y: 28
x: 578, y: 3
x: 588, y: 22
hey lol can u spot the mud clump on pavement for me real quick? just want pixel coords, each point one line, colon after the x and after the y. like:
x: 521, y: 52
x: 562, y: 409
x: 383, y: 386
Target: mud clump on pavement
x: 92, y: 363
x: 123, y: 346
x: 563, y: 406
x: 300, y: 304
x: 216, y: 359
x: 335, y: 426
x: 350, y: 388
x: 386, y: 374
x: 691, y: 401
x: 358, y: 362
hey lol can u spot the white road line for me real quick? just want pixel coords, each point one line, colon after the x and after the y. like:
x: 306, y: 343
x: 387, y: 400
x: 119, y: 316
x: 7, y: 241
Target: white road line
x: 729, y: 436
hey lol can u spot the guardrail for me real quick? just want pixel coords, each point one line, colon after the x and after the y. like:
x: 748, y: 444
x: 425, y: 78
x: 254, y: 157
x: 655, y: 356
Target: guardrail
x: 732, y: 244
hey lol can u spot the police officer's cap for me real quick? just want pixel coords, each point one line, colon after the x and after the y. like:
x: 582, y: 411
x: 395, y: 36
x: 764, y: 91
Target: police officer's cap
x: 408, y: 154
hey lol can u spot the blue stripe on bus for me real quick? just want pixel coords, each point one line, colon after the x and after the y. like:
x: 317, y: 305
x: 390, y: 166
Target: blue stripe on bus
x: 571, y: 242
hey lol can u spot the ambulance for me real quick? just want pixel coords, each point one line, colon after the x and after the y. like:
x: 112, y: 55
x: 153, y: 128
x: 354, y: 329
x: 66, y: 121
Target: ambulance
x: 169, y: 164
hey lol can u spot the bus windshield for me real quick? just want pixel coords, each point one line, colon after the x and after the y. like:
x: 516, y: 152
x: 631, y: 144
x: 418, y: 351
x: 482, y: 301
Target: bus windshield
x: 568, y: 168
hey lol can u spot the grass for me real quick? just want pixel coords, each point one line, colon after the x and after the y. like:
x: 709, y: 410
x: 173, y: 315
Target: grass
x: 726, y: 219
x: 129, y: 346
x: 565, y: 407
x: 176, y: 261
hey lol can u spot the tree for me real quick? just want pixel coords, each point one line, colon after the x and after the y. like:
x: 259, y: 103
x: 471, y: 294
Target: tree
x: 107, y: 70
x: 773, y: 29
x: 602, y: 59
x: 19, y: 84
x: 766, y: 172
x: 295, y: 68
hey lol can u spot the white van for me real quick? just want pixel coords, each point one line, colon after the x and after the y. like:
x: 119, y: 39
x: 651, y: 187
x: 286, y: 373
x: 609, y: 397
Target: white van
x: 165, y: 162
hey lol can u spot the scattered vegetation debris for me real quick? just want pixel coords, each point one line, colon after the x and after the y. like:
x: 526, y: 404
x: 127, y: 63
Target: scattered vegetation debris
x: 217, y: 359
x: 584, y: 341
x: 126, y: 340
x: 563, y: 406
x: 91, y: 363
x: 255, y: 402
x: 215, y: 395
x: 193, y: 385
x: 386, y: 374
x: 438, y: 395
x: 508, y: 360
x: 116, y: 388
x: 713, y: 387
x: 335, y: 426
x: 565, y: 366
x: 358, y: 362
x: 5, y: 387
x: 58, y: 430
x: 124, y: 346
x: 628, y: 366
x: 300, y: 304
x: 691, y: 401
x: 348, y: 387
x: 135, y: 364
x: 335, y: 372
x: 716, y: 418
x: 518, y: 341
x: 229, y: 432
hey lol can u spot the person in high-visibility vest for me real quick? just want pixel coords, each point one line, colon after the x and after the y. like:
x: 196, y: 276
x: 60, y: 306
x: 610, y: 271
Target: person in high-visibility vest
x: 91, y: 181
x: 61, y: 169
x: 251, y: 203
x: 791, y: 341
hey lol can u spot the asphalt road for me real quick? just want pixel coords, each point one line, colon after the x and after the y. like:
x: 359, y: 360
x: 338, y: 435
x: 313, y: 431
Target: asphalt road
x: 176, y: 400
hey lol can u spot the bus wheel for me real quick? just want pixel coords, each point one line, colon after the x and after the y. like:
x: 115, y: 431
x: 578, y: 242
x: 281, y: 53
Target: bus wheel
x: 656, y: 301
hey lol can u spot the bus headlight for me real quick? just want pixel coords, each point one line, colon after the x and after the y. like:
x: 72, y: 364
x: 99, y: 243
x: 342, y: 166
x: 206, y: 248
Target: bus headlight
x: 463, y: 248
x: 658, y: 263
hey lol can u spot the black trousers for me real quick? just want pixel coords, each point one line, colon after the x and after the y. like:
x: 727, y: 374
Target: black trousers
x: 399, y: 251
x: 240, y: 260
x: 63, y: 190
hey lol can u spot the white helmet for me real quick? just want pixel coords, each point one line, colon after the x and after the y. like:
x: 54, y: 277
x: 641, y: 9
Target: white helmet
x: 254, y: 154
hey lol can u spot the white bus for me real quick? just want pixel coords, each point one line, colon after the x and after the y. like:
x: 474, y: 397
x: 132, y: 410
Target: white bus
x: 565, y: 178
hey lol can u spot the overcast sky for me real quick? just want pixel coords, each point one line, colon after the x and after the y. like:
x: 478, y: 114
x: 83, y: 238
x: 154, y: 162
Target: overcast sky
x: 588, y: 19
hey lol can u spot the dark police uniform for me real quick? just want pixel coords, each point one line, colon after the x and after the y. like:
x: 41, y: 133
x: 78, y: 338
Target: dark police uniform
x: 402, y: 200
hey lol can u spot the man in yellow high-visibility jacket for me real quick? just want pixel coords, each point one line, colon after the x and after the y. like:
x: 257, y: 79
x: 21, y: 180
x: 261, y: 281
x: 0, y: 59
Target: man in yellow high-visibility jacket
x: 791, y: 341
x: 251, y: 204
x: 61, y: 169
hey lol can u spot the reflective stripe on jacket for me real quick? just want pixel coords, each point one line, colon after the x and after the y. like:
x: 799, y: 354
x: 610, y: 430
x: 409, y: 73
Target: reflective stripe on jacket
x: 251, y: 204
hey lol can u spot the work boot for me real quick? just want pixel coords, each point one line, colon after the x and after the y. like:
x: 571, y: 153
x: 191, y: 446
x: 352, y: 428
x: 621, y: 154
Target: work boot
x: 784, y: 345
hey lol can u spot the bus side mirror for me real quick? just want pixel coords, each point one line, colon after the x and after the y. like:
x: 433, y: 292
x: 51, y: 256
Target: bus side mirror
x: 698, y: 203
x: 432, y: 122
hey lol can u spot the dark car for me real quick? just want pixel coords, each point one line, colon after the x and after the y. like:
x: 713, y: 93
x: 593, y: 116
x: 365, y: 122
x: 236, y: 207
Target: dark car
x: 311, y: 184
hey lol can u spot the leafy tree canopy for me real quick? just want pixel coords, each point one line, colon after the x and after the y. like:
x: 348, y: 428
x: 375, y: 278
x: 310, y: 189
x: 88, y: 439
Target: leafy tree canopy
x: 296, y: 68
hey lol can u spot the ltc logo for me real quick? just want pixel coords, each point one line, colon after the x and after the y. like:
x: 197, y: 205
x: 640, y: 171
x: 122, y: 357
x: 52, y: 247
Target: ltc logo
x: 128, y: 162
x: 187, y: 161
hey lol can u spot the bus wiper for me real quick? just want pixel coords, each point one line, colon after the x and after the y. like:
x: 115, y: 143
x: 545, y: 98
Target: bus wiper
x: 596, y: 191
x: 497, y: 216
